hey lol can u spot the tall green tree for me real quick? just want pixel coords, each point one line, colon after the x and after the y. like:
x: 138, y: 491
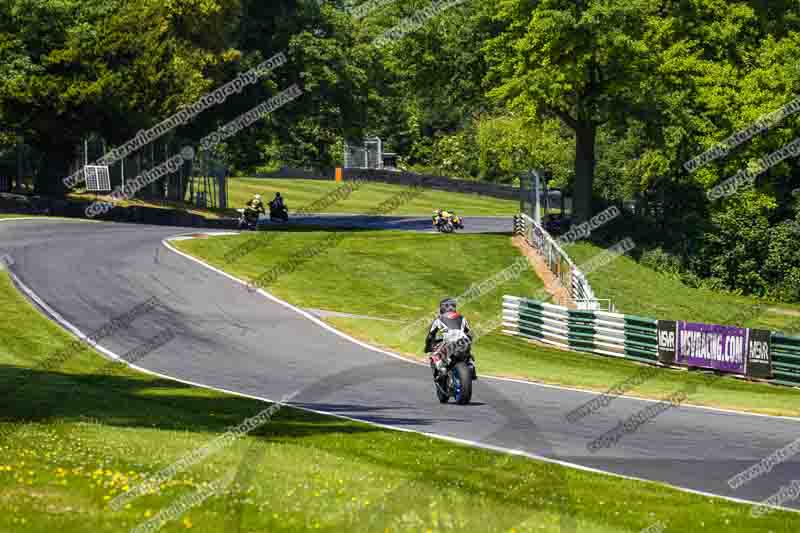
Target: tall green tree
x: 106, y: 66
x: 585, y: 62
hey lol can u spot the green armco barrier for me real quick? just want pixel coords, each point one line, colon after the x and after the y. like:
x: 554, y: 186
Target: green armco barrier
x: 618, y: 335
x: 635, y: 336
x: 648, y: 334
x: 639, y: 321
x: 785, y: 354
x: 783, y: 339
x: 786, y: 360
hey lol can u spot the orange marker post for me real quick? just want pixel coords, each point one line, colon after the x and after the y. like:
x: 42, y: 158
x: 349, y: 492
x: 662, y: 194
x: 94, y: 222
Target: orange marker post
x: 338, y: 173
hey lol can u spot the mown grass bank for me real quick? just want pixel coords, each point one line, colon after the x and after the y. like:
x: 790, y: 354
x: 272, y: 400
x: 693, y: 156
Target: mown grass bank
x: 300, y: 193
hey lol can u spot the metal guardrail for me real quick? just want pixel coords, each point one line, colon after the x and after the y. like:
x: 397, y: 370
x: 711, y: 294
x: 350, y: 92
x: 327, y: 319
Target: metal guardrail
x: 557, y: 261
x: 785, y: 359
x: 619, y: 335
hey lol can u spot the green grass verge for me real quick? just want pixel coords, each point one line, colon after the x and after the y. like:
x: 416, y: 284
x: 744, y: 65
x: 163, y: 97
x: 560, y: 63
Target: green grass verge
x: 300, y: 193
x: 638, y: 290
x: 402, y: 276
x: 80, y: 435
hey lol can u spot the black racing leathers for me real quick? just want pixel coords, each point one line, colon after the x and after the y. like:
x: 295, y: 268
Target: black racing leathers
x: 444, y: 323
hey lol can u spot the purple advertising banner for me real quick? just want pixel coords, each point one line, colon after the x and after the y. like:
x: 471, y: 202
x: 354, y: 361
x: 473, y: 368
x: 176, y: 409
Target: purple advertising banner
x: 710, y: 346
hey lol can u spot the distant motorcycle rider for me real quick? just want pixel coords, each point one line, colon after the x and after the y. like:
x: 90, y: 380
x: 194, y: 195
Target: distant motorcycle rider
x: 455, y: 334
x: 441, y: 216
x: 254, y: 207
x: 277, y: 202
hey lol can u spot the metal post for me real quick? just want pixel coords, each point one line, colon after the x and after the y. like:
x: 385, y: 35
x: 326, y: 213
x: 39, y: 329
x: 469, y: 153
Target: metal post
x: 223, y: 190
x: 546, y: 198
x: 537, y: 213
x: 153, y: 187
x: 19, y: 163
x: 122, y: 172
x: 85, y: 152
x: 165, y: 190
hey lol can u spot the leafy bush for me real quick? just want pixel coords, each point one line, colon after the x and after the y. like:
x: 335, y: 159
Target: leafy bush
x: 661, y: 261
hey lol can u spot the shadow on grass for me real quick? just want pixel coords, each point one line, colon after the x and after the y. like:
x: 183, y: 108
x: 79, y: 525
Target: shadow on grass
x: 123, y: 400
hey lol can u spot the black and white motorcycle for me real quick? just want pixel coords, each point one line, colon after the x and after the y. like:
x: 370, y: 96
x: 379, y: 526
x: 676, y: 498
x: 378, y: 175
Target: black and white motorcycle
x: 454, y: 376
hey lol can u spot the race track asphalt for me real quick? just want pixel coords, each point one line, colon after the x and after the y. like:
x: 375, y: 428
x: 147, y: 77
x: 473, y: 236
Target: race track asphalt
x: 404, y: 223
x: 231, y: 338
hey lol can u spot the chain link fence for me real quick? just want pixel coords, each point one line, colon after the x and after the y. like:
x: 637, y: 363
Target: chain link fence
x: 201, y: 182
x: 368, y: 155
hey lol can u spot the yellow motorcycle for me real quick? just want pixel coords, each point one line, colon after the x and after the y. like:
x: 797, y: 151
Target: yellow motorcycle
x: 445, y: 222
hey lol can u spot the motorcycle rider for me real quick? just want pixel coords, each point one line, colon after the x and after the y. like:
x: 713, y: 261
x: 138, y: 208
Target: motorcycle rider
x: 455, y: 219
x: 441, y: 216
x: 277, y: 202
x: 254, y: 207
x: 455, y: 331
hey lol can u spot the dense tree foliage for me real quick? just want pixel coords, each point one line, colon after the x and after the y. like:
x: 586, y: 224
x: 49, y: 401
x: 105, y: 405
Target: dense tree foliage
x: 613, y: 97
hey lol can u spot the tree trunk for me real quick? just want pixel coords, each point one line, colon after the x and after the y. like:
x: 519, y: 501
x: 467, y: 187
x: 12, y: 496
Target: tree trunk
x: 585, y: 135
x: 173, y: 188
x: 56, y: 168
x: 20, y: 165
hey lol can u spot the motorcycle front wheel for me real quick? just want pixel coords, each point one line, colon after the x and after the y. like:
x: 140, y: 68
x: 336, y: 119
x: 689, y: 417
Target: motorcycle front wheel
x: 442, y: 394
x: 461, y: 381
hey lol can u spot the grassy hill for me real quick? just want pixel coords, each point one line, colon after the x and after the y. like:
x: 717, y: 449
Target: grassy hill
x: 636, y: 289
x: 302, y: 192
